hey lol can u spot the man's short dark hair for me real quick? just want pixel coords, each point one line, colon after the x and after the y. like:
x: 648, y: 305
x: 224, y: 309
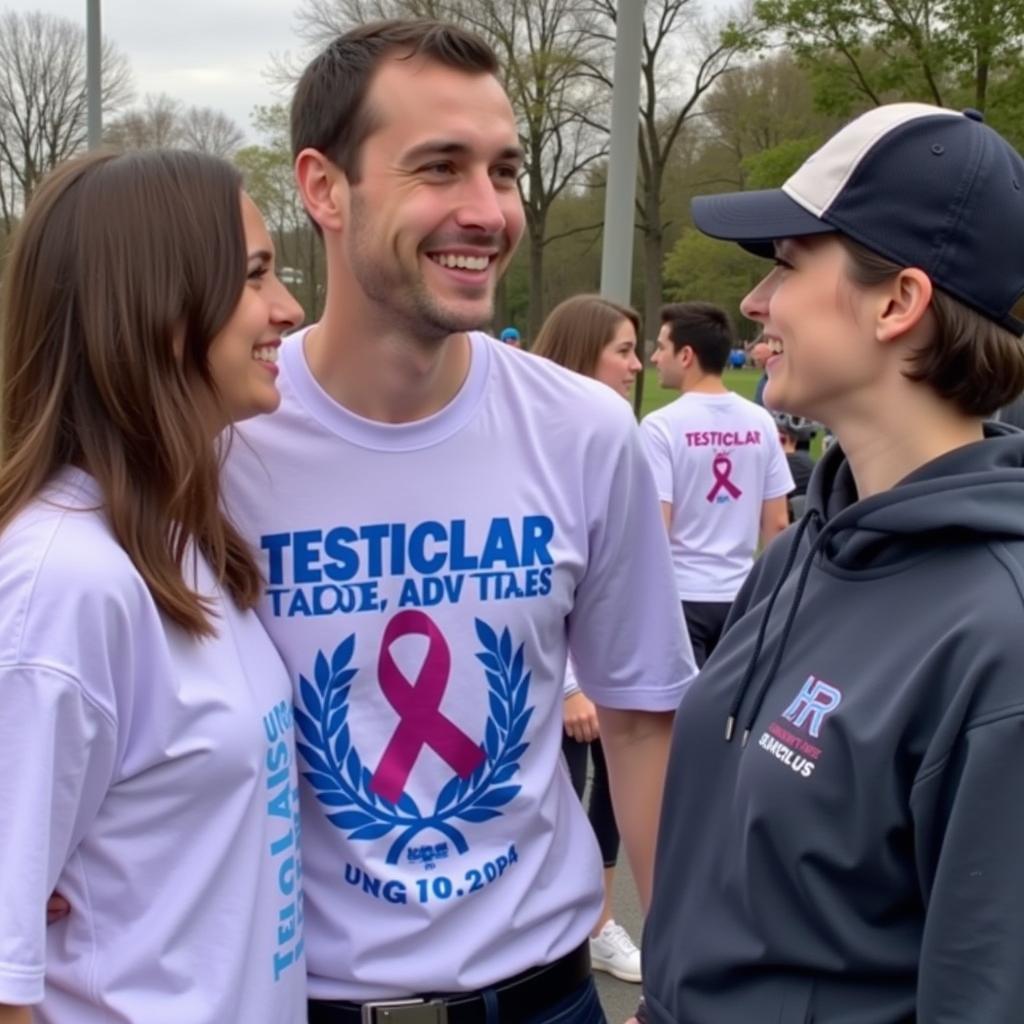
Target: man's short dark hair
x: 706, y: 328
x: 329, y: 112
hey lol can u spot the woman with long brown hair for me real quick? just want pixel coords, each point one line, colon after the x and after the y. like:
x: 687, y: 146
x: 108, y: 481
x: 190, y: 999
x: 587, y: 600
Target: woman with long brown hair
x: 146, y: 766
x: 598, y: 338
x: 593, y: 336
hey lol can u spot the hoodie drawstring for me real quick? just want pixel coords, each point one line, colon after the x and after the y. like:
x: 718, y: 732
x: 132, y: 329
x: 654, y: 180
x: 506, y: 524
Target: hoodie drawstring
x: 734, y: 709
x: 762, y: 690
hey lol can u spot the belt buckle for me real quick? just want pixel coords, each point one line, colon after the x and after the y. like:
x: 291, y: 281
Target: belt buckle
x: 405, y: 1011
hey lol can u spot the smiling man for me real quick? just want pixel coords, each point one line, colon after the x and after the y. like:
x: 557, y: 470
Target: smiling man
x: 436, y: 530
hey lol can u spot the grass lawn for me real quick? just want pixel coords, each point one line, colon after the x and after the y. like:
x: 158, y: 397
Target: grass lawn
x: 742, y: 382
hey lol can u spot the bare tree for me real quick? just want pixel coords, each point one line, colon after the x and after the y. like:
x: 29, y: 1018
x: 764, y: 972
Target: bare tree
x: 321, y: 19
x: 210, y: 131
x: 162, y: 123
x: 267, y: 169
x: 43, y: 99
x: 154, y: 125
x: 766, y: 104
x: 683, y: 57
x: 547, y: 54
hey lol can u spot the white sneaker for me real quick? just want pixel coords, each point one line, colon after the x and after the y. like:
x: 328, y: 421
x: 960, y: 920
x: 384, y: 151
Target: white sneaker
x: 615, y: 952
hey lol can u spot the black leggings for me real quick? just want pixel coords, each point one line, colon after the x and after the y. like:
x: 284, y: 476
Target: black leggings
x: 602, y: 818
x: 705, y: 621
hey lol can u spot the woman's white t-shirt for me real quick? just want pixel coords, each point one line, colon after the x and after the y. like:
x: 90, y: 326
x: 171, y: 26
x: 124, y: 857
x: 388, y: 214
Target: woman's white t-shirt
x: 149, y: 778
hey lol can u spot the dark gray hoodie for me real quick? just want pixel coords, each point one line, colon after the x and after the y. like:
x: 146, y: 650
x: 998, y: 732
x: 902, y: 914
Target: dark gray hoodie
x: 860, y: 858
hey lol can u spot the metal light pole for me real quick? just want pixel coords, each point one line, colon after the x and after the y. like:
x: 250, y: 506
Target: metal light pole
x: 93, y: 75
x: 620, y: 193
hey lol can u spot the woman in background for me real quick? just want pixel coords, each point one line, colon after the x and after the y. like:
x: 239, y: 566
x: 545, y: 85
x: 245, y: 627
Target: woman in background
x: 597, y: 338
x: 146, y: 747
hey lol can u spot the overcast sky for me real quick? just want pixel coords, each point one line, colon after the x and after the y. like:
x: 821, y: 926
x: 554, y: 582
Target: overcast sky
x: 207, y: 53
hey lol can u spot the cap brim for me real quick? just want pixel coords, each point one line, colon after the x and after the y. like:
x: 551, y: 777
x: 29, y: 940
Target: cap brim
x: 755, y: 219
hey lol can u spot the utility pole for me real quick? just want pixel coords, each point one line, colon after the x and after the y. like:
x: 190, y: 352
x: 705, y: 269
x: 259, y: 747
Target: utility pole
x: 620, y: 192
x: 93, y: 74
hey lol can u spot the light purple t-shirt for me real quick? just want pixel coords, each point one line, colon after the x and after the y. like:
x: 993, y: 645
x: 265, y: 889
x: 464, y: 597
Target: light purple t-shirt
x: 424, y: 583
x: 149, y: 778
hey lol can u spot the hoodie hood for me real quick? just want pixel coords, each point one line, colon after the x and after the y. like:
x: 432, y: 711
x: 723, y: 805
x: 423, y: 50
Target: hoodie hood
x: 974, y: 490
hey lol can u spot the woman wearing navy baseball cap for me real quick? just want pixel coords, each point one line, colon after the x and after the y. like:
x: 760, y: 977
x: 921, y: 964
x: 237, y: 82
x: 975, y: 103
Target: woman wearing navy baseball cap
x: 842, y: 837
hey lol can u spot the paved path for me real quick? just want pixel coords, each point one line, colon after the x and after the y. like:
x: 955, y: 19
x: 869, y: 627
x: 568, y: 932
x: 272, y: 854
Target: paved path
x: 619, y: 998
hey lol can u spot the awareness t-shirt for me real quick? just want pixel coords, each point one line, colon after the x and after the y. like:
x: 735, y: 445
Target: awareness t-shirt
x: 148, y: 777
x: 424, y: 583
x: 716, y: 458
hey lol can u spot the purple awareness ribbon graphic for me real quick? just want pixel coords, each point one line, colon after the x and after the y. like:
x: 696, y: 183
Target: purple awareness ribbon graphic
x: 418, y: 705
x: 722, y: 469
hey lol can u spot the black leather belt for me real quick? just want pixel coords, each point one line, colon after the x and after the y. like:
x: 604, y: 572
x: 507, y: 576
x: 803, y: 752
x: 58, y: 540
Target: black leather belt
x: 518, y: 998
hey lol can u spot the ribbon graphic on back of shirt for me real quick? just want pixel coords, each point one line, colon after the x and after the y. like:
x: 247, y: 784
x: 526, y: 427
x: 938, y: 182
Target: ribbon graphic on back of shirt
x: 344, y: 785
x: 419, y: 709
x: 722, y: 470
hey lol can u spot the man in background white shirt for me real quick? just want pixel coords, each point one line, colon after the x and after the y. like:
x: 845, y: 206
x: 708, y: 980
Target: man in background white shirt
x: 720, y: 471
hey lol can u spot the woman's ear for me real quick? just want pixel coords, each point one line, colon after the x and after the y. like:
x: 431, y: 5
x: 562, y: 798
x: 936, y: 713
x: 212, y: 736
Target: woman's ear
x: 904, y: 301
x: 323, y: 188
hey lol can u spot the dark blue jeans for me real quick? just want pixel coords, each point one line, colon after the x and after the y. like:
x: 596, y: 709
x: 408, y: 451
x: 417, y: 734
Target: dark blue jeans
x: 581, y: 1007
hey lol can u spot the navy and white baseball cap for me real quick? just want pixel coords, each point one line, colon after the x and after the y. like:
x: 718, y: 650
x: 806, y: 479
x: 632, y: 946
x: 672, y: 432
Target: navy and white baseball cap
x: 920, y: 185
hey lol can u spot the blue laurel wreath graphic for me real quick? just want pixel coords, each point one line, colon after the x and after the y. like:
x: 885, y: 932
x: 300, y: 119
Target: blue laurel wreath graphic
x: 342, y: 781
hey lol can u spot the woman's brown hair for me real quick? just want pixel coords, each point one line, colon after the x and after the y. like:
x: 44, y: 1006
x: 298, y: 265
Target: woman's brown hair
x: 577, y: 329
x: 971, y: 361
x: 124, y: 269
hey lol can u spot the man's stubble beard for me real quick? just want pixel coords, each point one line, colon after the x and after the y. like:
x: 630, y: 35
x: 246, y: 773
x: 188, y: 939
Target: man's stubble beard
x: 408, y: 302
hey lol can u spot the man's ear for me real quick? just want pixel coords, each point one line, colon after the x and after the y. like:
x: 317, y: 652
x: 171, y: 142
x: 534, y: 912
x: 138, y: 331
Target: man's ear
x: 904, y: 301
x: 323, y: 188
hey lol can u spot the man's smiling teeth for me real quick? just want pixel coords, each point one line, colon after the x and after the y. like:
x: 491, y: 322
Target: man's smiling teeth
x: 775, y: 346
x: 267, y: 353
x: 461, y: 262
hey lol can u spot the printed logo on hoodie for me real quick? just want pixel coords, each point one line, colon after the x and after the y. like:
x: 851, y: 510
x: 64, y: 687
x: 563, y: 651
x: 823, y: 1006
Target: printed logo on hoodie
x: 815, y: 700
x: 807, y: 712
